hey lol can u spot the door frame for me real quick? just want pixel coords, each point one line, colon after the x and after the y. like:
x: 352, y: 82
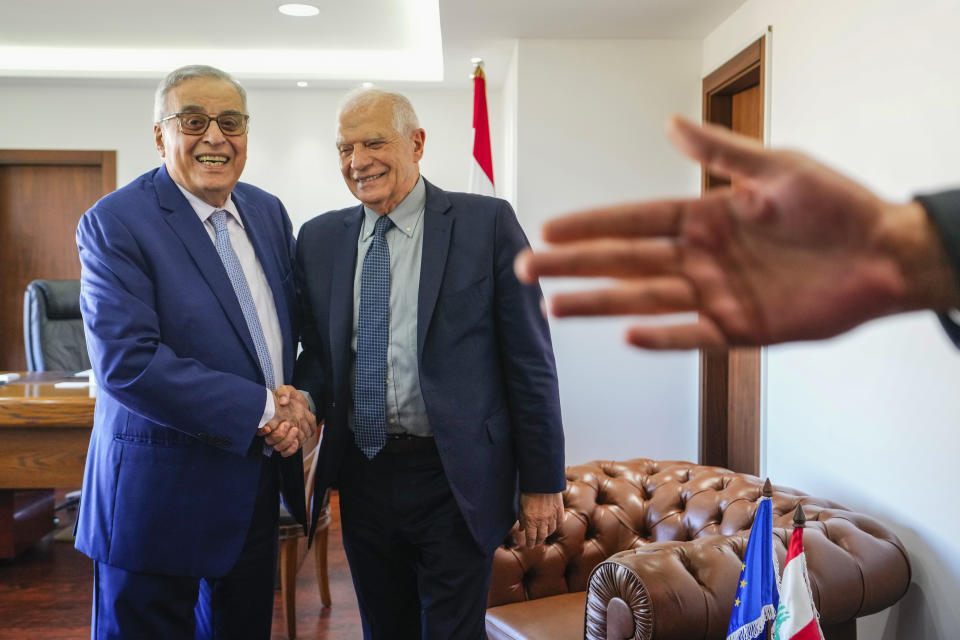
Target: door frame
x: 106, y: 160
x: 730, y: 416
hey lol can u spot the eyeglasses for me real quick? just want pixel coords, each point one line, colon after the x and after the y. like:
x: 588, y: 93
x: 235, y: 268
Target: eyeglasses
x: 195, y: 124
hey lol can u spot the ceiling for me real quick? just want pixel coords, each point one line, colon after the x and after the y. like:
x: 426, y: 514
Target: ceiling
x: 396, y: 41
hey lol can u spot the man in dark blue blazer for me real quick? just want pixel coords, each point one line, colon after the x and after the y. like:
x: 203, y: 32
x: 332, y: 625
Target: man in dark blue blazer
x: 412, y: 315
x: 188, y: 303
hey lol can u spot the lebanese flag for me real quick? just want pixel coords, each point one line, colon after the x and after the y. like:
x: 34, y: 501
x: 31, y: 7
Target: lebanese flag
x: 481, y: 166
x: 796, y: 615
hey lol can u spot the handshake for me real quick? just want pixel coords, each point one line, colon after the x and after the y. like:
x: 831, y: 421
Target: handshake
x: 293, y: 426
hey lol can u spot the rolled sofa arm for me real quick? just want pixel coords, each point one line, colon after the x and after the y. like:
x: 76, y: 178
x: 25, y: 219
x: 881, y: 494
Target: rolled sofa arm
x: 677, y: 590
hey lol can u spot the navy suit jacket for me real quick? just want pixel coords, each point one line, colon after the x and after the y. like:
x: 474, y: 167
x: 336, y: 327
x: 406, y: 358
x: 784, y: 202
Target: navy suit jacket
x: 173, y: 466
x: 487, y: 371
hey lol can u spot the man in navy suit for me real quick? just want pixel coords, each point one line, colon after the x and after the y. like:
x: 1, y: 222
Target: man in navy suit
x: 433, y: 369
x: 188, y: 303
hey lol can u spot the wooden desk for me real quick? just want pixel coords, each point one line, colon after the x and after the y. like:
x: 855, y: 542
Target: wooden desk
x: 44, y: 435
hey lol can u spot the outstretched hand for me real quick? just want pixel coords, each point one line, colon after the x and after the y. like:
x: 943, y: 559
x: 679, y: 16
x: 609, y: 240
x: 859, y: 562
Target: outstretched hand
x: 792, y: 251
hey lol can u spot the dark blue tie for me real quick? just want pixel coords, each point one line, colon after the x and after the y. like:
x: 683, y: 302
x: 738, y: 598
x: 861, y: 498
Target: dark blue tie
x: 373, y: 330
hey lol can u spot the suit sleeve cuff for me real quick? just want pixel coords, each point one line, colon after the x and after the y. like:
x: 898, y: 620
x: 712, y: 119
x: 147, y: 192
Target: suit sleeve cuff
x: 943, y: 209
x: 269, y: 409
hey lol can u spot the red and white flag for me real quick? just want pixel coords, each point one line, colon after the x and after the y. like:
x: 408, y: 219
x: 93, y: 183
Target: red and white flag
x: 481, y: 166
x: 796, y: 615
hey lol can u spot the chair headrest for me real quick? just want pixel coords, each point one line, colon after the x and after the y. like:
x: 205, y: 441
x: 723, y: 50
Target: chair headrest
x: 62, y: 297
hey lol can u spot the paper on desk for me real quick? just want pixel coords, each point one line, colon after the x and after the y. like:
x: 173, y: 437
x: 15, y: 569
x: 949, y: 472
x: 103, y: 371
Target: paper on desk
x: 71, y: 385
x: 87, y: 373
x: 9, y: 377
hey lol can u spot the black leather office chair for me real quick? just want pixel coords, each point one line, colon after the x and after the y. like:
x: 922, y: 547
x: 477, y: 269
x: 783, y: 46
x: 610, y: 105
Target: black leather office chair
x: 52, y: 326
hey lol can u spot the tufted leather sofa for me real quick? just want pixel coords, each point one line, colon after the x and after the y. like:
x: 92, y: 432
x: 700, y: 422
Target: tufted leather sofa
x: 652, y: 549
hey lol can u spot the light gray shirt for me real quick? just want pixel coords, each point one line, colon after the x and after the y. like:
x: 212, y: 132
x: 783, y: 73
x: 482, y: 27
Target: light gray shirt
x: 406, y: 411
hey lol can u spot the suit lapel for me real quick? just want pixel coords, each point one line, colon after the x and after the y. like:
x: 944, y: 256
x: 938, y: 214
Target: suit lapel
x: 184, y: 221
x: 341, y: 294
x: 437, y: 223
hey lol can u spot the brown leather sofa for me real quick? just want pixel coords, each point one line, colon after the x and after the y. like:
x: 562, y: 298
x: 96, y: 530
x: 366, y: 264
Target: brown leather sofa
x: 652, y: 549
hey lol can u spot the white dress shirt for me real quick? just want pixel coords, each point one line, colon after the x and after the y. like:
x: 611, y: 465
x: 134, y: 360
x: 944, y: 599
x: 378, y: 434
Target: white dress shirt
x: 256, y: 280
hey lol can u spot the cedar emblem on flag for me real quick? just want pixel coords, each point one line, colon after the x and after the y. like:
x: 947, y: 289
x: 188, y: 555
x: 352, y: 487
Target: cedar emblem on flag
x: 481, y: 165
x: 758, y: 593
x: 796, y: 615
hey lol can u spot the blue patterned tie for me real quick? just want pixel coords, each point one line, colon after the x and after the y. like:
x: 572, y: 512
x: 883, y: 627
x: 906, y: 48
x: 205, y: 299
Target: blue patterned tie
x: 242, y: 289
x: 373, y: 329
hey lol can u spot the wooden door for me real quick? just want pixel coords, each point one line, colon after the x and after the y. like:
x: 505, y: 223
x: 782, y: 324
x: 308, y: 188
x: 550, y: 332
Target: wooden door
x: 42, y: 196
x: 730, y: 381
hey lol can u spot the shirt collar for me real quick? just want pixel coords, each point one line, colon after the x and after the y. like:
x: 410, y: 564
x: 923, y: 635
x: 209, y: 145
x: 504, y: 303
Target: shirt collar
x: 405, y: 217
x: 204, y: 210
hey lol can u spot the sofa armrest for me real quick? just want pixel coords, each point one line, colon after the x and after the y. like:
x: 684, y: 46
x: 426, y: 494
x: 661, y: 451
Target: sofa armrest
x: 686, y: 589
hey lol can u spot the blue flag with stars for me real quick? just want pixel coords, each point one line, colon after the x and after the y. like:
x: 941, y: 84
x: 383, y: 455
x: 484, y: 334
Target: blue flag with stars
x: 758, y: 593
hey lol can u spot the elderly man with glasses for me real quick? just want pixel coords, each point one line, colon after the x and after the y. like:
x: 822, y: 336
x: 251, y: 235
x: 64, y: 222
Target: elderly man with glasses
x: 188, y: 305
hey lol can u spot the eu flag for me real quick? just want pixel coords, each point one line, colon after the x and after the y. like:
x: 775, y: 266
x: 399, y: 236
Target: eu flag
x: 758, y: 594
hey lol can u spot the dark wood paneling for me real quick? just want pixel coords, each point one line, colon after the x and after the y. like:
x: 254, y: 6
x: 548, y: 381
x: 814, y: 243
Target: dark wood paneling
x: 42, y: 196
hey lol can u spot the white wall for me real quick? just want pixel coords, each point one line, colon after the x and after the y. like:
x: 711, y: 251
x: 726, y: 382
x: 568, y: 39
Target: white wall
x: 290, y: 152
x: 870, y: 419
x: 589, y: 131
x: 506, y: 180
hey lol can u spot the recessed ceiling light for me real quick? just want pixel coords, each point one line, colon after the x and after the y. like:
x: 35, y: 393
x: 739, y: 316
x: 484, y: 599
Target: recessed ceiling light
x: 366, y: 85
x: 298, y: 10
x: 302, y: 83
x: 476, y: 60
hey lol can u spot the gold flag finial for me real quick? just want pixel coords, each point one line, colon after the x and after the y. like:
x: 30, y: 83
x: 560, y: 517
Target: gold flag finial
x: 477, y: 67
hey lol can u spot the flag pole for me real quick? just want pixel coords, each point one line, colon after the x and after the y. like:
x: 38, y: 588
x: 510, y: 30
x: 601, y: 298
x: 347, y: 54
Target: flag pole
x: 767, y: 492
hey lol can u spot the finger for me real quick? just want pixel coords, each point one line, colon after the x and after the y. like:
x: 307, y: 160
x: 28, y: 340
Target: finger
x: 631, y: 220
x: 303, y: 437
x: 530, y: 533
x: 612, y: 258
x: 521, y: 267
x: 701, y: 335
x: 290, y: 441
x: 285, y: 393
x: 278, y: 434
x: 647, y: 296
x: 520, y: 537
x: 542, y: 532
x: 723, y: 152
x: 292, y: 449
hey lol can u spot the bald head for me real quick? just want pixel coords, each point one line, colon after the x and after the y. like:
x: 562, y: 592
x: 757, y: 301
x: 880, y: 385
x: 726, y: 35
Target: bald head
x: 404, y: 117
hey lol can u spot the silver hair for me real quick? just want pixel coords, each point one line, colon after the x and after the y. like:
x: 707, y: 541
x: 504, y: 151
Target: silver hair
x: 188, y: 72
x: 404, y: 117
